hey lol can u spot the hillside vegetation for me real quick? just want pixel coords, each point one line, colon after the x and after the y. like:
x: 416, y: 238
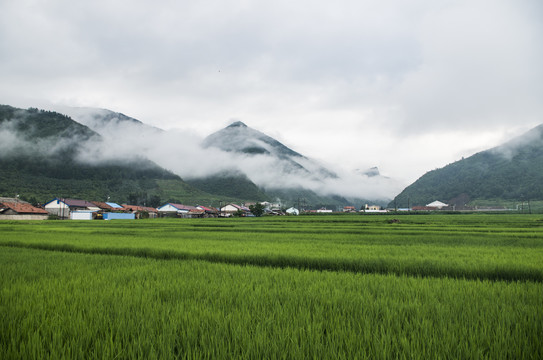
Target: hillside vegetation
x: 513, y: 172
x: 47, y: 154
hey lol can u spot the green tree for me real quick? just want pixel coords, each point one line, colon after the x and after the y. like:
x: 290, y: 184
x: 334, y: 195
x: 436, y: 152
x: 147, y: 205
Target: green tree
x: 154, y: 201
x: 257, y: 209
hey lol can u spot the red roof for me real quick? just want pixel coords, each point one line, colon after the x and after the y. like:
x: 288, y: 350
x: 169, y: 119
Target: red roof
x: 139, y: 208
x: 197, y: 211
x: 207, y: 209
x: 423, y: 208
x: 23, y: 208
x: 102, y: 205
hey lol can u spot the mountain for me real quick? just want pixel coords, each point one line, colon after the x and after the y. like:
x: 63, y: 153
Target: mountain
x: 114, y: 126
x: 512, y: 171
x: 239, y: 138
x: 280, y: 173
x: 44, y: 154
x: 371, y: 172
x: 230, y: 184
x: 87, y: 145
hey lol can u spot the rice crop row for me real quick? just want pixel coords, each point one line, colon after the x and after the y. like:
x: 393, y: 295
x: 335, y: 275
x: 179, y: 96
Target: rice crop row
x: 71, y: 305
x: 470, y: 246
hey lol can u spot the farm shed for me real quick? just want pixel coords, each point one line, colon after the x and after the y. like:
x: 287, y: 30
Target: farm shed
x: 15, y: 209
x: 119, y: 216
x: 82, y: 215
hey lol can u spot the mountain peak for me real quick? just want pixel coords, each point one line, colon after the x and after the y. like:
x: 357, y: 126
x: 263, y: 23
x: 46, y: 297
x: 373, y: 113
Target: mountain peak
x: 237, y: 124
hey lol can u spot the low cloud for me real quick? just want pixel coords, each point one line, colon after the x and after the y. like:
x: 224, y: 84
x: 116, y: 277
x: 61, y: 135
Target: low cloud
x: 183, y: 154
x: 17, y: 139
x: 511, y: 148
x: 345, y: 74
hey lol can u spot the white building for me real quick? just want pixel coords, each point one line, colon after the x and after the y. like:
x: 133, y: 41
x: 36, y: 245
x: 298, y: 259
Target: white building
x: 81, y: 215
x: 175, y: 209
x: 437, y: 204
x: 293, y: 211
x: 63, y: 207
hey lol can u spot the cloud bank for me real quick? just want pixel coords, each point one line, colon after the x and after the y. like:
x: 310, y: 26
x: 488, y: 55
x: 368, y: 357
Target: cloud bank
x: 183, y: 154
x: 360, y: 83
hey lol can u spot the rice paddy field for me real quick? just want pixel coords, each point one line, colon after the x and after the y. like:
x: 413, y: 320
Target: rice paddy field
x: 336, y: 286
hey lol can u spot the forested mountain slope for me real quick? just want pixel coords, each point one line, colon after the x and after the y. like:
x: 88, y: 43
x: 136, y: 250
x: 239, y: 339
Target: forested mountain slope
x: 512, y: 171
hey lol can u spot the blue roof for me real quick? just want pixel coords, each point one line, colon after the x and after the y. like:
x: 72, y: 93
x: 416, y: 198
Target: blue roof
x: 114, y: 205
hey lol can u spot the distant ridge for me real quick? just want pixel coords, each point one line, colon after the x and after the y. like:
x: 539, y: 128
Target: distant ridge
x: 238, y: 137
x: 107, y: 153
x: 48, y: 155
x: 512, y: 171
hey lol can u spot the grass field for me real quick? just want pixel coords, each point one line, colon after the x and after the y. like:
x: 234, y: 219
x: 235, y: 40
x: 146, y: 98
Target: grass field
x: 455, y: 286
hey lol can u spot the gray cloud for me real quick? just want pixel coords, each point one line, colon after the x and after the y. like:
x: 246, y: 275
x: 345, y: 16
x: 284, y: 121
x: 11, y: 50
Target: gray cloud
x: 182, y: 153
x: 348, y: 82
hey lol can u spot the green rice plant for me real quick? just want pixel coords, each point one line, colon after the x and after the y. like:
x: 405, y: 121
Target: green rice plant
x: 495, y: 247
x: 70, y: 305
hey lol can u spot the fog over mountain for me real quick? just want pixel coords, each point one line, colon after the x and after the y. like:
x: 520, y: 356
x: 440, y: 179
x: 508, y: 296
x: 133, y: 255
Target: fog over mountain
x: 349, y: 83
x: 237, y: 148
x: 45, y: 154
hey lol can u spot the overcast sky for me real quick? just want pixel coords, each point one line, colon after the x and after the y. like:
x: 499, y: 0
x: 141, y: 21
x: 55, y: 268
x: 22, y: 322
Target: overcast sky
x: 408, y: 86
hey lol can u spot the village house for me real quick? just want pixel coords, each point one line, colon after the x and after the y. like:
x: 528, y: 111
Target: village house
x: 62, y: 207
x: 139, y: 211
x: 269, y: 205
x: 373, y: 209
x: 231, y: 209
x: 179, y: 210
x: 106, y: 207
x: 349, y: 209
x: 102, y: 206
x: 15, y: 209
x: 208, y: 211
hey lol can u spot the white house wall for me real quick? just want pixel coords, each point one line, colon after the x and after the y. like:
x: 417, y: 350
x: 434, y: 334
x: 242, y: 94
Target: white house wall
x: 61, y: 209
x: 229, y: 208
x: 167, y: 208
x: 24, y: 217
x: 54, y: 205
